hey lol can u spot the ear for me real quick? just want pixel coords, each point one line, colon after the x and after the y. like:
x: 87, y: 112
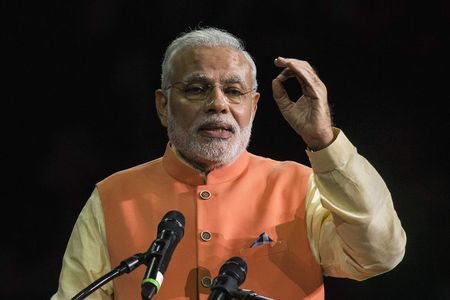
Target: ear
x: 161, y: 102
x: 255, y: 99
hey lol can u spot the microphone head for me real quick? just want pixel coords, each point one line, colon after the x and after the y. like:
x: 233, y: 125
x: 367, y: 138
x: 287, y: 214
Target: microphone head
x: 235, y: 267
x: 173, y: 221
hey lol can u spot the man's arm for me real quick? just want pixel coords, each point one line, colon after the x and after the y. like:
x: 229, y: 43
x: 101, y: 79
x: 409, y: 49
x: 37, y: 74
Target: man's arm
x: 353, y: 228
x: 86, y: 257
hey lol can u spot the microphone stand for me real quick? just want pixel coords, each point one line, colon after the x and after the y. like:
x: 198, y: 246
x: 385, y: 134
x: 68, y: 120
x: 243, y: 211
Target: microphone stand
x: 125, y: 266
x: 242, y: 294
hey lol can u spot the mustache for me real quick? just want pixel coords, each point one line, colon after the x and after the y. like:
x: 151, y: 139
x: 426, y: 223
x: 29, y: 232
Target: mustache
x: 214, y: 121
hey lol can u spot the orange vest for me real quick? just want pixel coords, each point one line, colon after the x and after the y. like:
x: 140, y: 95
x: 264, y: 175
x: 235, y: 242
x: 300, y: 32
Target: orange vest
x: 251, y: 196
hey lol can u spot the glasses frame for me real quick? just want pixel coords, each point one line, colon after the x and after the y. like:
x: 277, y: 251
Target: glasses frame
x: 210, y: 90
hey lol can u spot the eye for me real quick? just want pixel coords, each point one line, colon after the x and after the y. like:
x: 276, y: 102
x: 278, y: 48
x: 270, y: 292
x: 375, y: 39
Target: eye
x: 196, y: 89
x: 232, y: 91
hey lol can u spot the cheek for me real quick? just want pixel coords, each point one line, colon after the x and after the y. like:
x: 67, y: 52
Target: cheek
x: 242, y: 115
x: 184, y: 115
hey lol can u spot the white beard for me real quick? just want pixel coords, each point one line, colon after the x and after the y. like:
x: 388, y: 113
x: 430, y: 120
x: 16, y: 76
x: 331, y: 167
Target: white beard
x: 207, y: 152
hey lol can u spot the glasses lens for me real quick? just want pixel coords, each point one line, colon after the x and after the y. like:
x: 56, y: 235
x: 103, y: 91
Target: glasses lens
x: 200, y: 91
x: 196, y: 91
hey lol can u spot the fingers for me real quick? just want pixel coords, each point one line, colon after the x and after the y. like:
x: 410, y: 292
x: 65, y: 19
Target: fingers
x: 285, y: 74
x: 311, y: 84
x: 280, y: 95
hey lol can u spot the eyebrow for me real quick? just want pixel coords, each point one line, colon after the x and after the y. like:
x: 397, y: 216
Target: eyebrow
x: 233, y: 79
x: 199, y: 77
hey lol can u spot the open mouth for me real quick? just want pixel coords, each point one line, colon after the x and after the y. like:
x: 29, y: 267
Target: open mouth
x: 216, y: 130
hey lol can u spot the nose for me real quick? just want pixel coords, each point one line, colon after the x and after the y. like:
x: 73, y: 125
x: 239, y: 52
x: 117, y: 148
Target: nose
x: 217, y: 102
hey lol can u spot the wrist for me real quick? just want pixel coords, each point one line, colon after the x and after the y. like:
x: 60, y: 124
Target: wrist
x: 321, y: 141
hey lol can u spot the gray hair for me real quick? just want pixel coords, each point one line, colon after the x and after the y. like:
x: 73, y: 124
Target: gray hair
x: 206, y: 37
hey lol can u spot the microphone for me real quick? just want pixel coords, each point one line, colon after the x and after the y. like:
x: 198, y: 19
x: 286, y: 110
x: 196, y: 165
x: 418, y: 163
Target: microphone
x: 170, y: 232
x: 231, y: 275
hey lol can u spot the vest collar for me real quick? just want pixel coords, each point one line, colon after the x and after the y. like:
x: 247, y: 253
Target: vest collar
x: 181, y: 171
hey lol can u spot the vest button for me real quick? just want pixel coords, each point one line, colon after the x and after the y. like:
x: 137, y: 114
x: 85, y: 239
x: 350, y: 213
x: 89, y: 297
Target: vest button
x: 205, y: 235
x: 205, y: 195
x: 206, y: 281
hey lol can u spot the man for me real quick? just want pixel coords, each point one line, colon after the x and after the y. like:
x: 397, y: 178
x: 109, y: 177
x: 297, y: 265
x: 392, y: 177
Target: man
x: 334, y: 219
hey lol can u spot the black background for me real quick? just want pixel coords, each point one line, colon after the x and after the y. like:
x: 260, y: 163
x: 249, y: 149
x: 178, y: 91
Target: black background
x: 77, y: 105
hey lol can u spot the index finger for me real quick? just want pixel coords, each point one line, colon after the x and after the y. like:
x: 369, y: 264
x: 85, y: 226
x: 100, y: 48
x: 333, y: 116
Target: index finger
x: 303, y: 71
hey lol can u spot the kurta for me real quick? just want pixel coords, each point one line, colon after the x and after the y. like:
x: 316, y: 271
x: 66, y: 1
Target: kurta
x: 338, y: 220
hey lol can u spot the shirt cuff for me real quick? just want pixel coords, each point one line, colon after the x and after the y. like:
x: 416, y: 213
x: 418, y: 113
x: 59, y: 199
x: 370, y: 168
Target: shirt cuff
x: 335, y: 156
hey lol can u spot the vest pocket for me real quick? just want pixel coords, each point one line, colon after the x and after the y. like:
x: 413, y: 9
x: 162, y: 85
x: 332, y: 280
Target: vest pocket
x: 275, y: 247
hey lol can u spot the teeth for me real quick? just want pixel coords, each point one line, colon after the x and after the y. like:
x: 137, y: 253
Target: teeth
x: 218, y: 129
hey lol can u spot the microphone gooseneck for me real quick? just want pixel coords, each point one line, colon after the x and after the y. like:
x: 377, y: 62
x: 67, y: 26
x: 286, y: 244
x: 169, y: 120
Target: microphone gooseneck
x: 125, y: 266
x: 243, y: 294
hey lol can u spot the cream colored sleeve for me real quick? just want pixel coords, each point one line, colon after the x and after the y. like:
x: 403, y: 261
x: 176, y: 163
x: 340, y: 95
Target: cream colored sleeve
x: 353, y: 228
x: 86, y: 257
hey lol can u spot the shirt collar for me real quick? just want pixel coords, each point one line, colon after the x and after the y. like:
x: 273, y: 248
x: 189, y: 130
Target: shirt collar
x: 182, y: 171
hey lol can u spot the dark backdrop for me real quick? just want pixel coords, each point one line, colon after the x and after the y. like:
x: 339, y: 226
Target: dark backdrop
x: 78, y: 87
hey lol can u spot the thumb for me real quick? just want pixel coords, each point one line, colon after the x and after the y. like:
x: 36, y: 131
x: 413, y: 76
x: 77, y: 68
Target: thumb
x: 280, y: 95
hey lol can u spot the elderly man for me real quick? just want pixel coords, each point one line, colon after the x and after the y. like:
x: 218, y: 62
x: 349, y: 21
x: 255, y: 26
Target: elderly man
x: 335, y: 218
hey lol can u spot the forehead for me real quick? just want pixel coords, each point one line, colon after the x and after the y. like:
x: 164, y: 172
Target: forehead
x: 214, y: 63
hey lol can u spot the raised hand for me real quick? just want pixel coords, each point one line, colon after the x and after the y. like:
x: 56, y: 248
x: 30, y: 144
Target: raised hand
x: 308, y: 115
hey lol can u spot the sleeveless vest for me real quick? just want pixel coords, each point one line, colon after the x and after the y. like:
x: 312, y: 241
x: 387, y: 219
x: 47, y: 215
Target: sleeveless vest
x: 225, y: 212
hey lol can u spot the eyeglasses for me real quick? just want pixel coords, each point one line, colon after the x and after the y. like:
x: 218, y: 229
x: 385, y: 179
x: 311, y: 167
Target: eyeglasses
x: 198, y: 91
